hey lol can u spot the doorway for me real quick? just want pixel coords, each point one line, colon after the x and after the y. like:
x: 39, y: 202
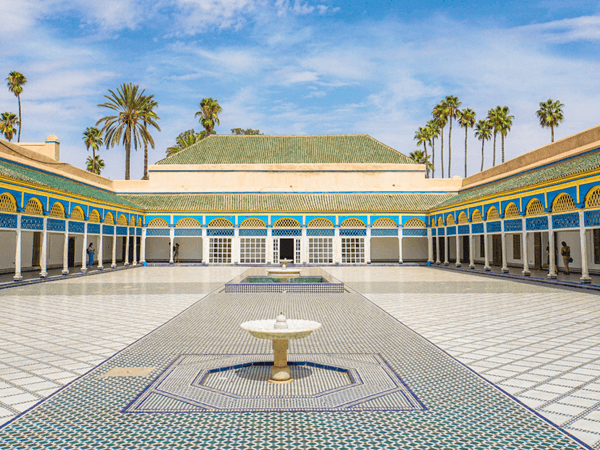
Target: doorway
x: 37, y: 249
x: 496, y: 250
x: 466, y: 242
x: 71, y: 253
x: 442, y: 243
x: 537, y: 250
x: 286, y: 249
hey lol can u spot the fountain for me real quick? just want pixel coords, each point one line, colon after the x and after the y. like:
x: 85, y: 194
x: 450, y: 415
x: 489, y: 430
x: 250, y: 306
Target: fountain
x: 280, y: 331
x: 284, y: 272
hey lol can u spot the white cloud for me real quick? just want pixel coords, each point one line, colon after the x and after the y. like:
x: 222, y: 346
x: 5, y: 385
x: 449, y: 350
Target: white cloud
x: 567, y: 30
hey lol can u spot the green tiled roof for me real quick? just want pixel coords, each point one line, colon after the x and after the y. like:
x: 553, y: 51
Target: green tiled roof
x: 61, y: 184
x: 557, y: 170
x: 333, y: 149
x: 288, y: 202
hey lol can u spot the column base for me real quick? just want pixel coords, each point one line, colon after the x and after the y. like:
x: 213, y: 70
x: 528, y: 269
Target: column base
x: 43, y: 274
x: 585, y: 280
x: 84, y: 270
x: 400, y: 262
x: 100, y: 267
x: 472, y: 266
x: 65, y: 272
x: 487, y: 268
x: 18, y: 277
x: 438, y: 262
x: 126, y: 263
x: 134, y: 263
x: 504, y: 270
x: 526, y: 273
x: 446, y: 263
x: 457, y: 264
x: 552, y: 275
x: 113, y: 266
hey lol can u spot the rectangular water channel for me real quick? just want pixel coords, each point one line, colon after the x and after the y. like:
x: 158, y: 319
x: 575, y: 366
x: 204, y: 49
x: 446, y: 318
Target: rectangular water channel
x: 294, y: 279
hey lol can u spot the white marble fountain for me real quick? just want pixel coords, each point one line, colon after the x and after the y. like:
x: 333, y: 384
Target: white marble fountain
x: 280, y: 331
x: 284, y: 271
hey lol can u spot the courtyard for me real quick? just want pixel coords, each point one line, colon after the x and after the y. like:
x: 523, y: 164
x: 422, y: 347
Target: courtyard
x: 446, y: 345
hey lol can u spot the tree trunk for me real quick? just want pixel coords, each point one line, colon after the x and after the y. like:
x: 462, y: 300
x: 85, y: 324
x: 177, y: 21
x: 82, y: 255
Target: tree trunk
x: 466, y: 129
x: 482, y: 153
x: 450, y: 149
x: 426, y: 159
x: 20, y: 120
x: 502, y: 136
x: 432, y: 158
x: 145, y: 177
x: 442, y: 152
x: 127, y: 159
x: 494, y: 154
x: 552, y: 129
x: 93, y: 160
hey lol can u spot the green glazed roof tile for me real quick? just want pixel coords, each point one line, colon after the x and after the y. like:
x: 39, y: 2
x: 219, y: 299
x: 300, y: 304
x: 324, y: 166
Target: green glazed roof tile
x: 261, y: 149
x: 288, y: 202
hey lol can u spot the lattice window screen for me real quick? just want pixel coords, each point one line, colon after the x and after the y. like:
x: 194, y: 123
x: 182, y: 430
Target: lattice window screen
x: 387, y: 223
x: 253, y: 223
x: 493, y: 214
x: 77, y: 214
x: 187, y: 223
x: 286, y: 223
x: 476, y: 216
x: 440, y: 222
x: 353, y: 223
x: 220, y: 223
x: 414, y: 223
x: 511, y: 211
x: 139, y: 224
x: 450, y: 220
x: 592, y: 200
x: 7, y: 203
x: 57, y: 211
x: 156, y: 223
x: 94, y: 217
x: 132, y: 221
x: 564, y: 202
x: 123, y: 220
x: 535, y: 208
x: 109, y: 219
x: 34, y: 207
x: 320, y: 223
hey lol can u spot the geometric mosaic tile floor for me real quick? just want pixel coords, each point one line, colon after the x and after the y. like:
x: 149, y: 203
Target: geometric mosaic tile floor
x: 462, y: 410
x: 540, y: 344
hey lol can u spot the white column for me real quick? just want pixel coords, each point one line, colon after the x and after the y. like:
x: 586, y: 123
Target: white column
x: 429, y: 246
x: 269, y: 246
x: 304, y: 259
x: 84, y: 250
x: 143, y: 248
x: 114, y: 248
x: 171, y: 239
x: 457, y: 248
x: 235, y: 246
x: 368, y: 246
x: 134, y: 258
x: 400, y: 238
x: 446, y: 249
x: 486, y: 250
x: 551, y: 249
x: 585, y: 272
x: 337, y: 246
x: 44, y: 255
x: 471, y: 249
x: 127, y: 247
x: 101, y: 248
x: 206, y: 246
x: 18, y: 276
x: 437, y: 247
x: 504, y: 260
x: 524, y: 249
x: 65, y: 270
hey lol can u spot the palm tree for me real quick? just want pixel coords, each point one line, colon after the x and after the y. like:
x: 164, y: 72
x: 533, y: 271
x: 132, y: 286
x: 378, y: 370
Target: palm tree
x: 452, y: 104
x: 440, y: 114
x: 483, y: 132
x: 466, y: 119
x: 92, y: 137
x: 208, y: 115
x: 8, y: 123
x: 421, y: 157
x: 184, y: 140
x: 15, y: 82
x: 95, y: 164
x: 422, y: 137
x: 434, y: 129
x: 550, y: 114
x: 128, y: 125
x: 506, y: 121
x: 494, y: 119
x: 149, y: 113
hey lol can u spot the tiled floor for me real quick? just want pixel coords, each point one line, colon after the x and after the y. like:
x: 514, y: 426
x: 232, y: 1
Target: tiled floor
x: 540, y: 344
x: 51, y: 333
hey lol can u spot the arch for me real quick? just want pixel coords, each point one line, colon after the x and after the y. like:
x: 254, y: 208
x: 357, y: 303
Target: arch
x: 432, y: 222
x: 462, y: 218
x: 187, y: 223
x: 7, y: 202
x: 320, y: 223
x: 386, y: 223
x: 57, y: 210
x: 563, y: 202
x: 450, y: 220
x: 220, y: 223
x: 94, y: 216
x: 440, y: 222
x: 592, y: 199
x: 253, y: 223
x: 511, y: 211
x: 132, y: 221
x: 109, y: 219
x: 414, y: 223
x: 156, y: 223
x: 123, y: 220
x: 77, y: 214
x: 492, y: 214
x: 34, y: 207
x: 139, y: 222
x: 534, y: 208
x: 476, y: 216
x: 286, y: 223
x: 352, y: 223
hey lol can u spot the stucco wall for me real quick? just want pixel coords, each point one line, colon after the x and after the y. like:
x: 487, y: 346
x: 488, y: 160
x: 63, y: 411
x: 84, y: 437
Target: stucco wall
x: 384, y: 249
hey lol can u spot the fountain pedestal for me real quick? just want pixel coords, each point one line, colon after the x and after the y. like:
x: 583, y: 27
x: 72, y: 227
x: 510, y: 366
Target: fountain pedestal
x: 280, y: 372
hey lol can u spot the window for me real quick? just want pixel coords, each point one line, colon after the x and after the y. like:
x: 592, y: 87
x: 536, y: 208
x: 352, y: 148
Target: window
x: 253, y: 250
x: 353, y: 250
x: 516, y: 246
x: 320, y: 251
x: 219, y: 251
x: 7, y: 203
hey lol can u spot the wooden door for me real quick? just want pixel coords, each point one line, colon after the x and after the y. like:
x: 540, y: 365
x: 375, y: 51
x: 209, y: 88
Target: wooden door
x: 537, y: 251
x: 496, y: 250
x: 37, y: 249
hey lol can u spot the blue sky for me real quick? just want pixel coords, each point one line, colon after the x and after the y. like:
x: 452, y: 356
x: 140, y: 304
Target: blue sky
x: 302, y: 67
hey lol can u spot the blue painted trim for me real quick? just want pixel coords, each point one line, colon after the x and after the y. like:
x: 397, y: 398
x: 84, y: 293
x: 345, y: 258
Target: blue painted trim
x: 283, y: 171
x: 289, y: 193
